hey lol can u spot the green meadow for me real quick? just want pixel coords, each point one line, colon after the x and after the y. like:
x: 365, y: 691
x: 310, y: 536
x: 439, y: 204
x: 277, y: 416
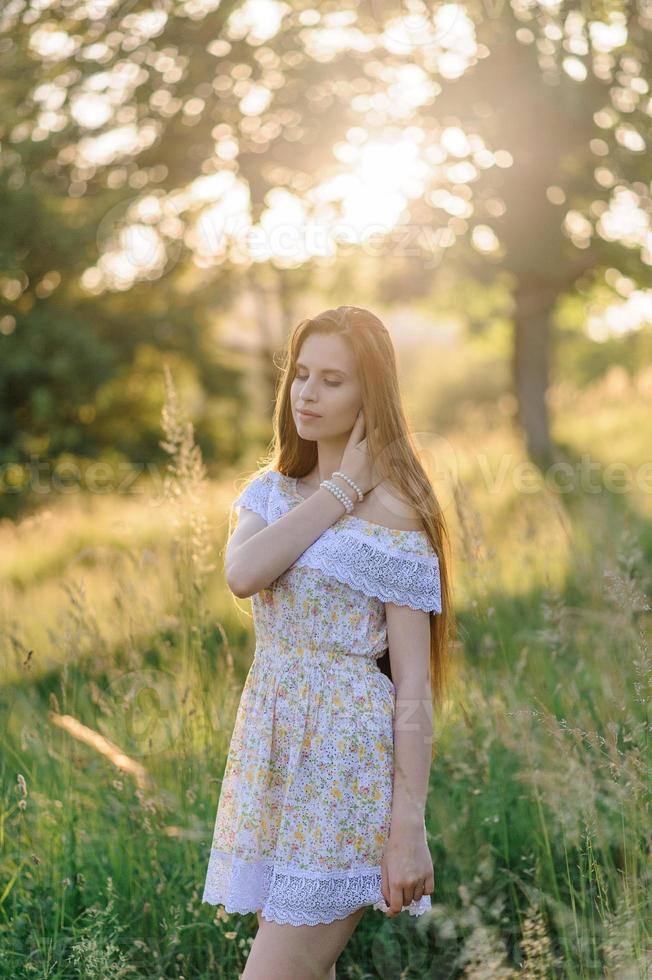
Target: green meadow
x: 123, y: 655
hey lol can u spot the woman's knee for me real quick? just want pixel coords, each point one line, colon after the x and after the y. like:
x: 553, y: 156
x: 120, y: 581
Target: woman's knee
x: 280, y: 950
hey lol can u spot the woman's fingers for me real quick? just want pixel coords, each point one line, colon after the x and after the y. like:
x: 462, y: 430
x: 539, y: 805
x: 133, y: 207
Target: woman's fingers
x: 397, y: 903
x: 384, y: 882
x: 418, y: 892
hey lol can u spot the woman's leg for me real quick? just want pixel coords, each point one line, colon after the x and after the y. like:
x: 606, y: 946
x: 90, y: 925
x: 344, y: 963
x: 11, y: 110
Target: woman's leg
x: 280, y: 951
x: 332, y: 975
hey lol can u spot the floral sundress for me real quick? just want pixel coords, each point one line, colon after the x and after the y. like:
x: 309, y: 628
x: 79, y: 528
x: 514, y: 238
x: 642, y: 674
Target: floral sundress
x: 305, y: 804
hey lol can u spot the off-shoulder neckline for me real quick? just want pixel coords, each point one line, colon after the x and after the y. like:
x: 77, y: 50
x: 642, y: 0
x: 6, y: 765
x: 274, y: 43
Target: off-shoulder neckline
x: 291, y: 482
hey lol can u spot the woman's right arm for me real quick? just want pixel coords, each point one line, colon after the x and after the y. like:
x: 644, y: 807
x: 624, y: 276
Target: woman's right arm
x: 257, y: 553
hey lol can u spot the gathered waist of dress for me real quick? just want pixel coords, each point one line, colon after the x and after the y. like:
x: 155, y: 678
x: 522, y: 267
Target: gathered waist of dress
x: 303, y: 655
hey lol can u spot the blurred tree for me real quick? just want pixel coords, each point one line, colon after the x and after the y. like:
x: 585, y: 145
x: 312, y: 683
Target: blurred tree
x: 562, y: 89
x: 63, y: 341
x: 159, y: 134
x: 537, y: 124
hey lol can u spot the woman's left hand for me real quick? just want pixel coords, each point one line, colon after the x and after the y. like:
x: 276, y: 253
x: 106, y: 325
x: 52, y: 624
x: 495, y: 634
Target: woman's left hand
x: 406, y: 870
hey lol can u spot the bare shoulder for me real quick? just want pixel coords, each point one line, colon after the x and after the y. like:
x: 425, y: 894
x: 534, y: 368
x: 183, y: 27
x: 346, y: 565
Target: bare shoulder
x: 390, y: 507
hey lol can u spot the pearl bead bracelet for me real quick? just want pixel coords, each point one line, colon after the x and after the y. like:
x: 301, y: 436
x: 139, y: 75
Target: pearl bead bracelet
x: 348, y: 479
x: 339, y: 493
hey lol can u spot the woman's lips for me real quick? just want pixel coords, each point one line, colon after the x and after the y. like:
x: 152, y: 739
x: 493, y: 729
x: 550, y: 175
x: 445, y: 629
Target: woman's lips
x: 306, y: 415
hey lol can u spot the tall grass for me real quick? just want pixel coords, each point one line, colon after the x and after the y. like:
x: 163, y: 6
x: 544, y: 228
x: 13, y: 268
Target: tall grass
x: 123, y: 656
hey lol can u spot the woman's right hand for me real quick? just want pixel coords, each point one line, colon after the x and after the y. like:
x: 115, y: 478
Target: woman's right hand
x: 356, y: 461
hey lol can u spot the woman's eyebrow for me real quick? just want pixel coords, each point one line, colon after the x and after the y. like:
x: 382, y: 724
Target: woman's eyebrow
x: 324, y: 370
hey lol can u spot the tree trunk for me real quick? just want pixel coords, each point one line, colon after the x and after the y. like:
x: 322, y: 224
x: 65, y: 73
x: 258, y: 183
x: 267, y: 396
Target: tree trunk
x: 266, y: 306
x: 534, y: 303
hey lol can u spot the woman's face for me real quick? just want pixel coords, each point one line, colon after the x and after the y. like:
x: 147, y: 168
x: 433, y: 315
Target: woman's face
x: 325, y: 383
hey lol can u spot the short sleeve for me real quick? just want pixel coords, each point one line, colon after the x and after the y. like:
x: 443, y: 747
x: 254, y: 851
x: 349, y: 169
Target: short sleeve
x: 410, y: 580
x: 378, y: 567
x: 255, y: 495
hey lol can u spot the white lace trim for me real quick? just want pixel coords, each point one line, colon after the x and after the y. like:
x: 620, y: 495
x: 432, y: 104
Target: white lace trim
x: 288, y: 895
x: 255, y: 495
x: 378, y: 568
x: 391, y: 576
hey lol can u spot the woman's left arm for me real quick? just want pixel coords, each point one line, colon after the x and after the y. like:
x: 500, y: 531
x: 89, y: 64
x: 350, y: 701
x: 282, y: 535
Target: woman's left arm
x: 407, y: 870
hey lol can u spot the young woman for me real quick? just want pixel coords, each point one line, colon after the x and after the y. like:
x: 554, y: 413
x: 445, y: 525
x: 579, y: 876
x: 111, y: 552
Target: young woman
x: 340, y: 542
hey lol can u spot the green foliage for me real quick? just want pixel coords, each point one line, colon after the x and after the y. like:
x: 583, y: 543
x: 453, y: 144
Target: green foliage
x: 538, y: 808
x: 491, y: 204
x: 51, y: 366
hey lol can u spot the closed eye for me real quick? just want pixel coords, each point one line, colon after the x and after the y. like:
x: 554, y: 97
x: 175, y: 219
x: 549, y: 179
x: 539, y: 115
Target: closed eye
x: 331, y: 384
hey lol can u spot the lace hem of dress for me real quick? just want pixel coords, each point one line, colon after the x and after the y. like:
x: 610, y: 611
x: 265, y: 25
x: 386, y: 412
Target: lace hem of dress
x: 289, y: 895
